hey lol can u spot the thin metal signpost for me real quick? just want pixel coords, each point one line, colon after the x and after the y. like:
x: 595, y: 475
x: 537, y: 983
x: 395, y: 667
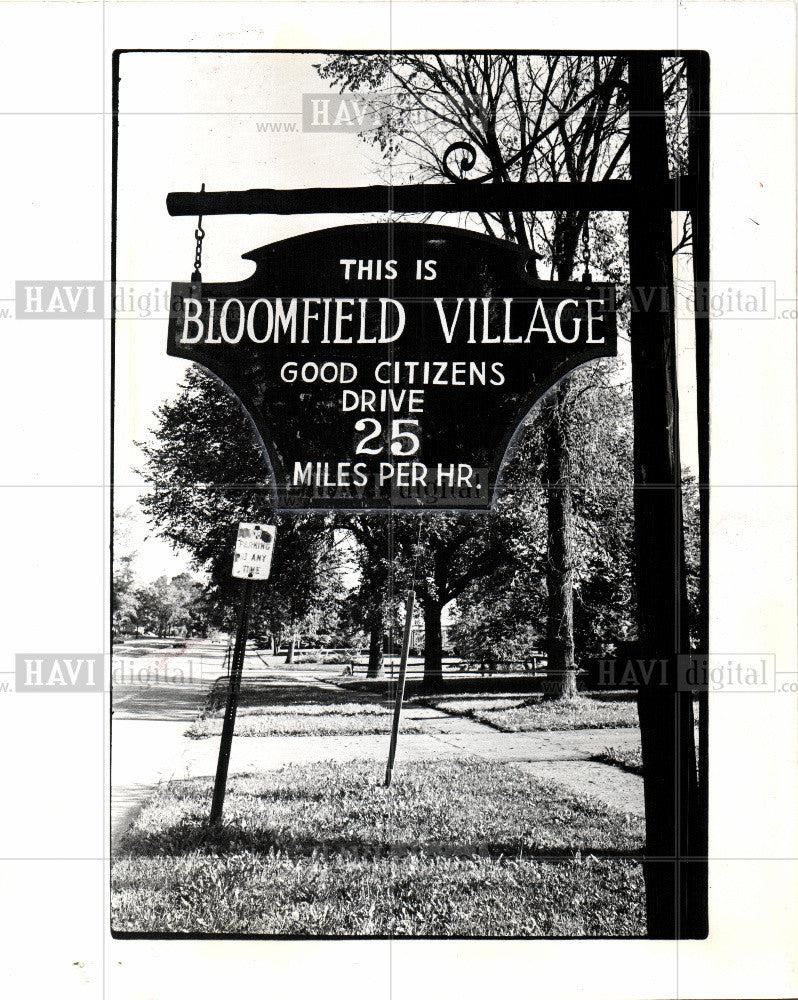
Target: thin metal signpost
x: 400, y: 686
x: 251, y: 561
x: 220, y: 785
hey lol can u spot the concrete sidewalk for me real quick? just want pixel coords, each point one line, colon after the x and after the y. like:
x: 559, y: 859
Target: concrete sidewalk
x: 149, y: 746
x: 566, y: 761
x: 147, y: 743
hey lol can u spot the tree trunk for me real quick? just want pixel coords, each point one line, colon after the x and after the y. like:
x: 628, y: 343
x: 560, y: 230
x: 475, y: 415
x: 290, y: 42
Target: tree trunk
x: 289, y: 656
x: 566, y: 240
x: 561, y: 683
x: 433, y: 645
x: 376, y: 643
x: 559, y: 563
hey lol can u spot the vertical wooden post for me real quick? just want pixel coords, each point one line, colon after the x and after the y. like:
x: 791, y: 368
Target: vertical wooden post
x: 698, y: 167
x: 400, y: 686
x: 666, y: 721
x: 236, y: 669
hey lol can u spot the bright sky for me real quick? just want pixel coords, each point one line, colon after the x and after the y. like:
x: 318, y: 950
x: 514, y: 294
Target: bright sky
x: 185, y: 119
x: 232, y: 121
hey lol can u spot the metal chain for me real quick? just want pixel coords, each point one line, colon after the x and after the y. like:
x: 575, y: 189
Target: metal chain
x: 199, y: 236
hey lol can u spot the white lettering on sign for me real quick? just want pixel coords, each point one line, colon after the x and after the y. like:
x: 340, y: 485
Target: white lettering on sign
x: 252, y: 559
x: 482, y: 321
x: 389, y: 363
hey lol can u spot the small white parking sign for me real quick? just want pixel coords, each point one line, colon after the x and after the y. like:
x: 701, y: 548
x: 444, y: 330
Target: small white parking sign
x: 253, y: 555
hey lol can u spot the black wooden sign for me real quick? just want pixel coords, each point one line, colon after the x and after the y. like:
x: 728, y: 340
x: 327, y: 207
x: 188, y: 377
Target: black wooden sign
x: 390, y: 364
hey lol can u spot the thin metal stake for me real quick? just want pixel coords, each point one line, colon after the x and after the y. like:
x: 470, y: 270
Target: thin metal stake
x: 400, y: 686
x: 236, y: 669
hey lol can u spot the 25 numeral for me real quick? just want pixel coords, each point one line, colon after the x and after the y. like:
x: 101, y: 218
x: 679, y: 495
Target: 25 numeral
x: 403, y: 441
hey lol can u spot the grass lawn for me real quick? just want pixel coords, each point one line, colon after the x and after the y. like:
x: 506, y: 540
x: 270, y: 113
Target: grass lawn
x: 526, y: 713
x: 628, y: 758
x: 296, y: 710
x: 452, y: 848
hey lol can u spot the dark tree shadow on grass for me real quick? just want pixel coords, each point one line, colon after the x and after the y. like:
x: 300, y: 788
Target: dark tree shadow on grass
x: 267, y: 694
x: 191, y: 837
x: 164, y: 702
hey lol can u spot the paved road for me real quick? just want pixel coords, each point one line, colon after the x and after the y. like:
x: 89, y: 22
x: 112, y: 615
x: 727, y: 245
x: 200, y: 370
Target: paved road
x: 149, y: 745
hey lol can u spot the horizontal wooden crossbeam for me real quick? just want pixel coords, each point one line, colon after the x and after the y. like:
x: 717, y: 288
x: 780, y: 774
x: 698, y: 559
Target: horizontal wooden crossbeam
x: 468, y: 196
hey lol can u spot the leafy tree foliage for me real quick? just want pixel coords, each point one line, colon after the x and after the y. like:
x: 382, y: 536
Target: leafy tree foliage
x: 502, y: 618
x: 372, y: 606
x: 124, y: 604
x: 447, y: 553
x: 507, y: 615
x: 206, y: 474
x: 179, y: 605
